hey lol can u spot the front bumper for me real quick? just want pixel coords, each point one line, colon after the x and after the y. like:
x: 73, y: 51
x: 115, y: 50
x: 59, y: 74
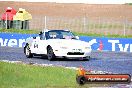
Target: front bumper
x: 70, y: 53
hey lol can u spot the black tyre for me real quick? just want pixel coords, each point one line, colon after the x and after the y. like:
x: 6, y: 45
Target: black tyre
x: 81, y: 80
x: 28, y: 52
x: 50, y: 53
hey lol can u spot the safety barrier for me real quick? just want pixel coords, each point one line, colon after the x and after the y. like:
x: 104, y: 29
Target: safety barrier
x: 97, y: 43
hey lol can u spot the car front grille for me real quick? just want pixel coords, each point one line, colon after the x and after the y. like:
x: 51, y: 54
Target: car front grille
x: 75, y: 53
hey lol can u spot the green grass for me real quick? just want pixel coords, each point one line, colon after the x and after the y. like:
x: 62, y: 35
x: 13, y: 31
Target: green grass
x: 128, y: 3
x: 29, y: 76
x: 17, y: 75
x: 23, y: 31
x: 79, y: 34
x: 102, y: 35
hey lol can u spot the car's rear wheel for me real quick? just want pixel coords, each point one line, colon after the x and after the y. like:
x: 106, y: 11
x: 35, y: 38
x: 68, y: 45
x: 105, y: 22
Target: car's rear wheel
x: 28, y: 52
x: 50, y: 53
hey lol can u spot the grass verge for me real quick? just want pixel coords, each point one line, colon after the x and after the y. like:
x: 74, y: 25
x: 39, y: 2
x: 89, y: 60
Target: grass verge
x: 29, y: 76
x: 16, y: 75
x: 102, y: 35
x: 22, y: 31
x: 79, y: 34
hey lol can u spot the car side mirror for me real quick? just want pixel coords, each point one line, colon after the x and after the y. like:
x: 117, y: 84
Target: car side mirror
x: 40, y: 33
x: 76, y: 37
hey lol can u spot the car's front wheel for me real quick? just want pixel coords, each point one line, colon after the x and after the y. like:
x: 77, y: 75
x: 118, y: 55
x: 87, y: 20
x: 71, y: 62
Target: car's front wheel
x: 28, y: 52
x: 50, y: 53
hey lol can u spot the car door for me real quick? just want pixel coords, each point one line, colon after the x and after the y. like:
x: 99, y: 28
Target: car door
x: 35, y: 45
x: 42, y: 44
x: 39, y: 45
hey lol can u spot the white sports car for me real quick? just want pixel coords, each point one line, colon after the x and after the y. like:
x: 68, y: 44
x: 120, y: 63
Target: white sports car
x: 57, y: 43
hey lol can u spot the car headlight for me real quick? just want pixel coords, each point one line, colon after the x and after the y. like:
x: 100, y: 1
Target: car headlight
x: 87, y: 47
x: 64, y: 47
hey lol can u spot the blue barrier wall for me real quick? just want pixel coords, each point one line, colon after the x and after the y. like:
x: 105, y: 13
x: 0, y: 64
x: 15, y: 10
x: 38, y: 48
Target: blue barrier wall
x: 97, y: 43
x: 14, y: 39
x: 111, y: 44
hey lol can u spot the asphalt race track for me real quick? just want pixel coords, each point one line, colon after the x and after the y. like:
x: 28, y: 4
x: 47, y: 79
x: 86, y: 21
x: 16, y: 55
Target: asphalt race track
x: 115, y: 62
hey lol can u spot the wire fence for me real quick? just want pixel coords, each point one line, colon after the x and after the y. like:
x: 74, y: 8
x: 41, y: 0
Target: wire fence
x: 96, y: 25
x: 84, y: 25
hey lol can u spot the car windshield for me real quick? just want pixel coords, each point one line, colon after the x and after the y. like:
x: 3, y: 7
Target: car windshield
x: 59, y: 34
